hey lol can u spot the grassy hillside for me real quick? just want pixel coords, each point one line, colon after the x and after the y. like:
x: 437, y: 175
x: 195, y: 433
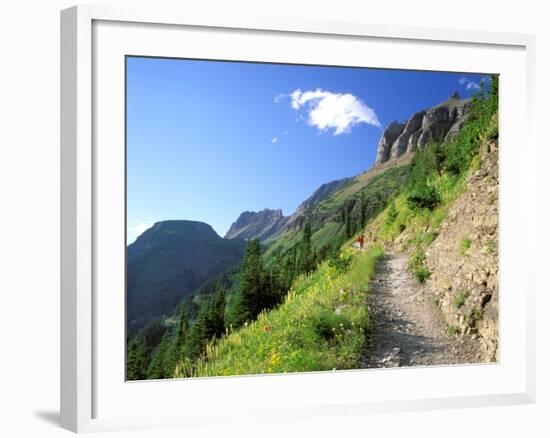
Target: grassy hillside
x: 321, y: 325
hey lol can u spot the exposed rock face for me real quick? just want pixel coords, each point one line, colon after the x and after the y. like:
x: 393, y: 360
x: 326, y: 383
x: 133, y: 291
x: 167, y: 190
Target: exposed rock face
x: 390, y: 134
x: 261, y: 224
x: 463, y: 259
x: 267, y: 223
x: 435, y: 124
x: 401, y: 145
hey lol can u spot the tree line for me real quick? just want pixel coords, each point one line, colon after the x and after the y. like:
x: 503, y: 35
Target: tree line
x: 155, y: 351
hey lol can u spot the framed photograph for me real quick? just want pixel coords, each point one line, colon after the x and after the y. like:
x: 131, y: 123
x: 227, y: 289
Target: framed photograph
x: 283, y: 207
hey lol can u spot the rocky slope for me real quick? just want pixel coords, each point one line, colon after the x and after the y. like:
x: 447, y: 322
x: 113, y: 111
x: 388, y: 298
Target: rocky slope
x: 463, y: 259
x: 262, y: 224
x: 435, y: 124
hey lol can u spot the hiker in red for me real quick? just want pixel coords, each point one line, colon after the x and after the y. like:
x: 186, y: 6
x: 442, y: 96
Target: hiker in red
x: 361, y: 241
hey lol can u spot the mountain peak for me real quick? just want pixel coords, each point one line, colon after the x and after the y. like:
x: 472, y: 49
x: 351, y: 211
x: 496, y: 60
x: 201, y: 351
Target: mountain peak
x: 438, y: 123
x: 261, y: 224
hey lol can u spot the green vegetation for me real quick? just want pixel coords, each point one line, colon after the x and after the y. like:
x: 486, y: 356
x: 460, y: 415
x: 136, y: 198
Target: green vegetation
x: 321, y: 325
x: 418, y: 267
x: 465, y: 245
x: 491, y: 247
x: 297, y: 302
x: 476, y: 314
x: 453, y: 330
x: 436, y: 178
x: 460, y: 299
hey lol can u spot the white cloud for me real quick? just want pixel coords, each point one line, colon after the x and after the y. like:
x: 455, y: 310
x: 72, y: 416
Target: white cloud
x: 469, y: 84
x: 274, y: 140
x: 337, y: 111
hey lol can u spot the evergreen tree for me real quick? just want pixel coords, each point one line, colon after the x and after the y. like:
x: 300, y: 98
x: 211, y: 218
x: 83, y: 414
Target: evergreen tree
x: 252, y: 284
x: 158, y: 367
x: 363, y: 211
x: 289, y: 269
x: 350, y: 226
x: 135, y: 363
x: 178, y: 345
x: 216, y: 313
x: 307, y: 257
x: 198, y: 335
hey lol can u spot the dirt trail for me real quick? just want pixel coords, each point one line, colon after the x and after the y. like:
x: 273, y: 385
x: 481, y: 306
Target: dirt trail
x: 408, y: 330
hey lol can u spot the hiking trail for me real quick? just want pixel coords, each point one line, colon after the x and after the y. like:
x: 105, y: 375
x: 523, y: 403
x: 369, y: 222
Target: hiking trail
x: 408, y: 329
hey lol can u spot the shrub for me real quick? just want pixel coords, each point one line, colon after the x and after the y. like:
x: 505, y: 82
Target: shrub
x: 460, y: 299
x: 453, y: 330
x: 418, y: 267
x: 476, y: 314
x: 340, y: 261
x: 428, y: 238
x: 422, y: 196
x: 391, y: 214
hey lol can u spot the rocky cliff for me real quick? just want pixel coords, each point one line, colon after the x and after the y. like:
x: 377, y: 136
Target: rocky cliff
x: 463, y: 259
x: 261, y: 224
x: 434, y: 124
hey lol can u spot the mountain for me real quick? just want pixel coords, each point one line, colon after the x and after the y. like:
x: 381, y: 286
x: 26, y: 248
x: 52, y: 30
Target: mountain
x: 435, y: 124
x: 319, y: 195
x: 266, y: 224
x: 171, y: 260
x: 262, y: 224
x: 395, y: 149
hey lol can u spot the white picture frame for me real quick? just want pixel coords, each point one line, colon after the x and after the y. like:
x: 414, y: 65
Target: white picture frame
x: 92, y: 42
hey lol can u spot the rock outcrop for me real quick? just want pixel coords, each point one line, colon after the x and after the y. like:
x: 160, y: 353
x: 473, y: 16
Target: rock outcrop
x: 389, y: 136
x: 261, y: 225
x: 407, y: 139
x: 435, y: 124
x: 268, y: 223
x: 463, y: 259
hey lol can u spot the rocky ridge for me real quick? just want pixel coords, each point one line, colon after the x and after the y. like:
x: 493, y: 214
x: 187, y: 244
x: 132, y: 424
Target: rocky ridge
x: 261, y: 224
x: 268, y: 223
x: 435, y: 124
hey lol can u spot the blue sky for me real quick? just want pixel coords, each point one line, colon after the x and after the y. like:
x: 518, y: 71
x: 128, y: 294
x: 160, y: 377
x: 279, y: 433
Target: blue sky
x: 207, y: 140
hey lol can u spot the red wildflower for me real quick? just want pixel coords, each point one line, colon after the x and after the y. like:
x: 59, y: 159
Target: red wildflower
x: 266, y: 328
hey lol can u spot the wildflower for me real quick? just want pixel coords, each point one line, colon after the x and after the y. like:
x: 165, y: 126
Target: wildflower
x: 266, y: 328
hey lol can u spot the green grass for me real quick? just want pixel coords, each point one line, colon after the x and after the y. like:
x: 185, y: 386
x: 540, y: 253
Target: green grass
x: 476, y: 314
x: 460, y: 299
x: 465, y: 245
x: 322, y: 325
x: 326, y: 234
x: 453, y: 330
x: 417, y: 266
